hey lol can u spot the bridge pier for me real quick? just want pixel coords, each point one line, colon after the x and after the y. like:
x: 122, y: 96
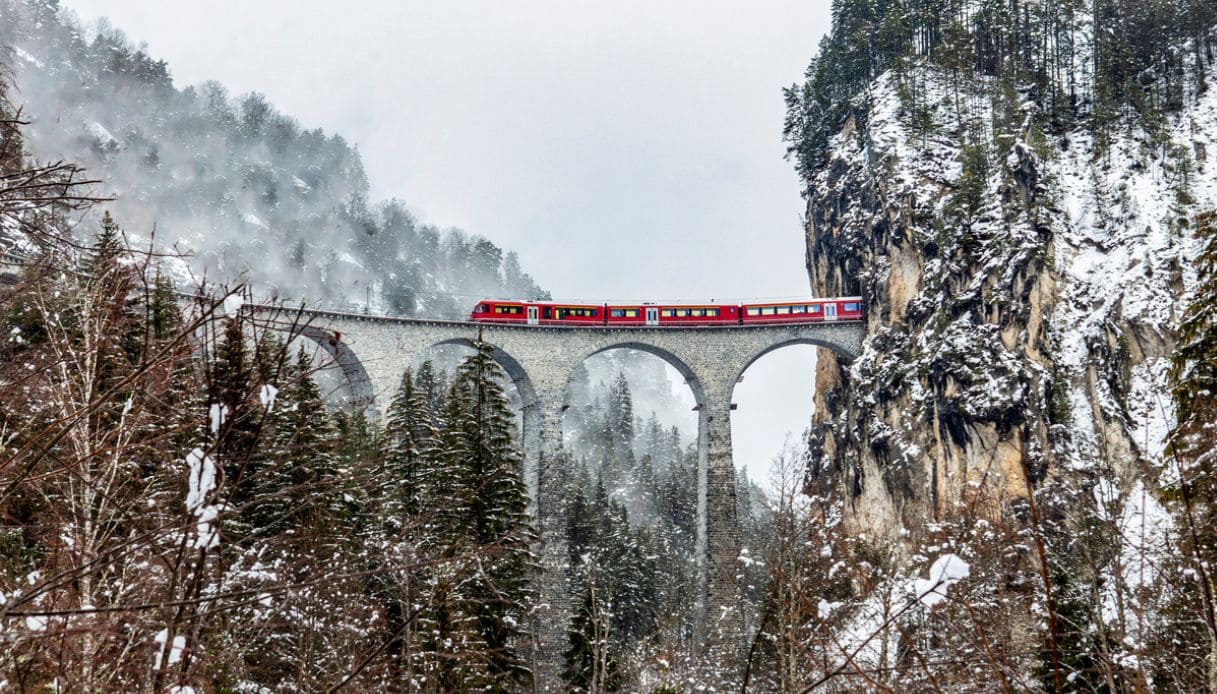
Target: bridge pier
x: 552, y: 614
x: 720, y: 620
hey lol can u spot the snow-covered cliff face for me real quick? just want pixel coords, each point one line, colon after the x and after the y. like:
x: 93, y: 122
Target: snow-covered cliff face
x: 1021, y: 298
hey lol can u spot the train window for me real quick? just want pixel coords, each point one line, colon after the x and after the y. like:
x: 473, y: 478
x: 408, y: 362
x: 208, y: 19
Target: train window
x: 631, y: 313
x: 769, y: 310
x: 754, y: 311
x: 783, y: 310
x: 507, y: 309
x: 667, y: 313
x: 814, y: 308
x: 712, y: 312
x: 571, y: 312
x: 548, y: 313
x: 481, y: 308
x: 851, y: 306
x: 798, y: 309
x: 616, y: 313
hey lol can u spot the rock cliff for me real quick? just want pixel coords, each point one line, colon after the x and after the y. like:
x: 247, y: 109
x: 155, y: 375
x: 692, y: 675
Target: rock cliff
x: 1022, y: 289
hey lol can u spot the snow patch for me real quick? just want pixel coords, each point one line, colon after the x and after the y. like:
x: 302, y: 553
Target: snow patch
x: 25, y: 55
x: 945, y: 572
x: 255, y: 220
x: 202, y: 481
x: 101, y: 135
x: 267, y: 395
x: 175, y: 650
x: 233, y: 304
x: 350, y: 260
x: 218, y: 415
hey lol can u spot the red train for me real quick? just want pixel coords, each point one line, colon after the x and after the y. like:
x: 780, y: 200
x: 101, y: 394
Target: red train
x: 667, y: 315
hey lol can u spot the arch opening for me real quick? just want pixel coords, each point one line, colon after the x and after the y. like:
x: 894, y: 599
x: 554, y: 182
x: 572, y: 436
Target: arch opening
x: 631, y: 437
x: 773, y: 400
x: 337, y: 369
x: 521, y: 395
x: 520, y: 391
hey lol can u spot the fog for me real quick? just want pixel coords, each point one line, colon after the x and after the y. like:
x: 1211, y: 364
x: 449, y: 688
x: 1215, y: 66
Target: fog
x: 627, y: 150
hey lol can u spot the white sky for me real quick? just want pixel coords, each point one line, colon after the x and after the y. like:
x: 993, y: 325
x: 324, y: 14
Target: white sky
x: 627, y: 150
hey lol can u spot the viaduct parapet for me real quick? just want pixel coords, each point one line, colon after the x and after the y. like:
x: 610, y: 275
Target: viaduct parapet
x: 374, y: 353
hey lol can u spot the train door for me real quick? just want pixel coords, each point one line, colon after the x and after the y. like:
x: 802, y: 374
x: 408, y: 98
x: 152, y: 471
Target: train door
x: 652, y: 315
x: 532, y: 315
x: 830, y: 310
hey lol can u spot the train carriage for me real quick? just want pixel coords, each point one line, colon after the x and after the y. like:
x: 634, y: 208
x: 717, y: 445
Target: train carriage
x: 698, y: 315
x: 809, y: 311
x: 537, y: 313
x: 670, y: 315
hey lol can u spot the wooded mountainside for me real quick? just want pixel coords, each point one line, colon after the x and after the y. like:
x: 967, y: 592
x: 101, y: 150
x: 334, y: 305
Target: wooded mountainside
x: 1094, y: 62
x: 251, y: 193
x: 1021, y: 190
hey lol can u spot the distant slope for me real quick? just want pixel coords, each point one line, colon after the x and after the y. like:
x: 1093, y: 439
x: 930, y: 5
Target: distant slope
x: 247, y: 189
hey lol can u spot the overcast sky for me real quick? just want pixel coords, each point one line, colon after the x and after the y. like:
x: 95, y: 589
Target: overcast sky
x: 627, y: 150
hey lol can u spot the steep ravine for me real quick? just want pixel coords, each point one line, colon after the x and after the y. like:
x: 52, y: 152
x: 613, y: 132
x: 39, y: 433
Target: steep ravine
x: 1020, y: 313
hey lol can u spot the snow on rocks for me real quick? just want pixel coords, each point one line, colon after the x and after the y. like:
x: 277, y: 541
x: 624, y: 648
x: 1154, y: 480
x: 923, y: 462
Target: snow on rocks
x: 945, y: 572
x: 101, y: 135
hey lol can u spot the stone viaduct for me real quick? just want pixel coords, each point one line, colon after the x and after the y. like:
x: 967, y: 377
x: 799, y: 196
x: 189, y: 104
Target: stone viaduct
x: 374, y: 352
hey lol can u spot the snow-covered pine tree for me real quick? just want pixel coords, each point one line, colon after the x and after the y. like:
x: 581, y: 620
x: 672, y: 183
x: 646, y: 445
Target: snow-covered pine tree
x: 432, y: 387
x: 296, y: 480
x: 407, y: 445
x: 1193, y: 443
x: 593, y: 654
x: 621, y: 422
x: 406, y: 454
x: 479, y: 503
x: 235, y: 422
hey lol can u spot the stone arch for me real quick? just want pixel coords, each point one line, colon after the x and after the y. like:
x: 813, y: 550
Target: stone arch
x: 511, y: 366
x: 789, y: 341
x: 691, y: 377
x: 362, y: 394
x: 532, y: 434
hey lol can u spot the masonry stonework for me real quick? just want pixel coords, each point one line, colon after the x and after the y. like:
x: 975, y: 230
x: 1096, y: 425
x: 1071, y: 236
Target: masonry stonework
x: 373, y: 353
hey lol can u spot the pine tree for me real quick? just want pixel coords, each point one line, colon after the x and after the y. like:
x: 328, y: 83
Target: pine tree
x: 431, y: 387
x: 294, y: 483
x: 592, y: 655
x: 1193, y: 443
x: 406, y: 455
x: 483, y: 489
x: 408, y: 444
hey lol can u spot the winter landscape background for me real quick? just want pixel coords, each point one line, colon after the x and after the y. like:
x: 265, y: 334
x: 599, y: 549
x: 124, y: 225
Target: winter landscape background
x: 1010, y: 487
